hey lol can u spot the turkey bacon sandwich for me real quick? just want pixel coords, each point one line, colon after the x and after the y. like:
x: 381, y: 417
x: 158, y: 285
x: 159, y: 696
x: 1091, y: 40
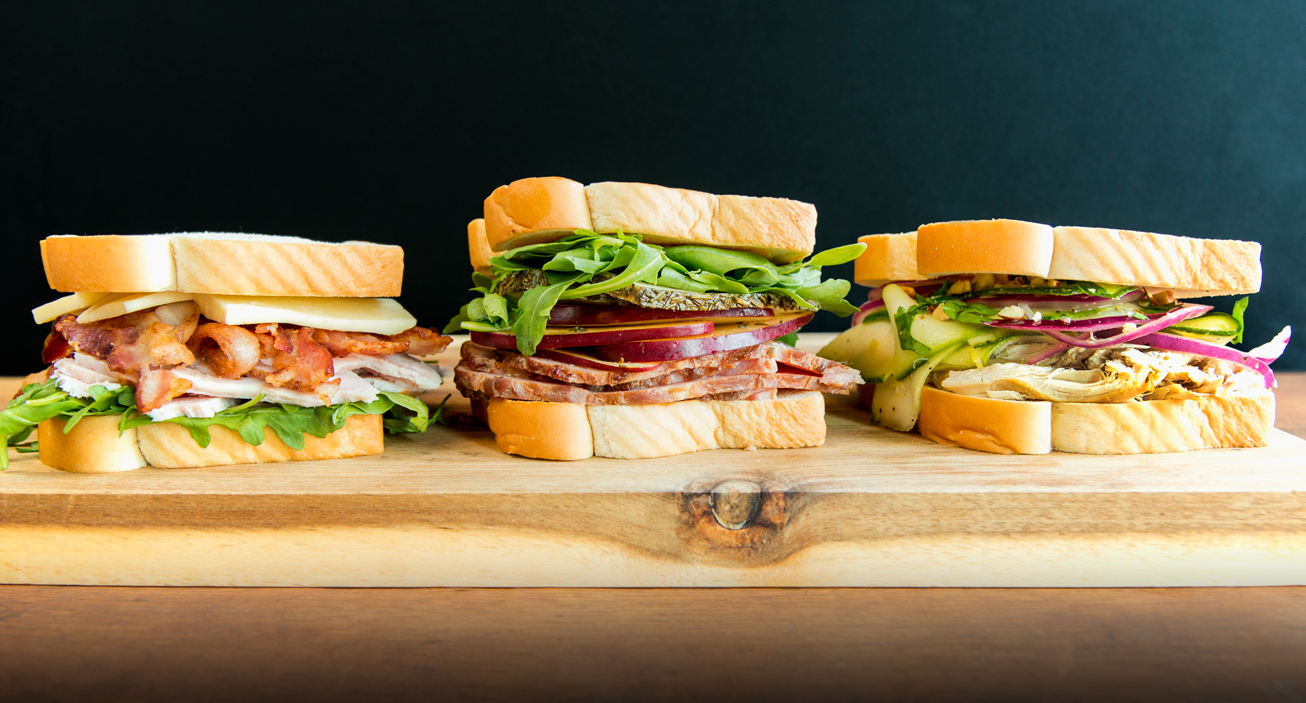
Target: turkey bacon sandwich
x: 1014, y: 337
x: 206, y: 349
x: 631, y: 321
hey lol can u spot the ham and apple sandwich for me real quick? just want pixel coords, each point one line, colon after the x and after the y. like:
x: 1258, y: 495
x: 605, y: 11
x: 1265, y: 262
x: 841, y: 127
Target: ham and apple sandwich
x: 204, y: 349
x: 629, y: 320
x: 1015, y: 337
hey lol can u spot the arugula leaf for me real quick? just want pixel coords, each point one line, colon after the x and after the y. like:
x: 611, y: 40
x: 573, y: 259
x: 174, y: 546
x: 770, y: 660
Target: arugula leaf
x: 250, y: 420
x: 533, y: 317
x: 585, y: 263
x: 791, y: 339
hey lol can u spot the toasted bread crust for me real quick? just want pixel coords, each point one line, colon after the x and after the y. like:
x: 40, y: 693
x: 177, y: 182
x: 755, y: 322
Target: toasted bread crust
x: 559, y: 431
x: 984, y: 246
x: 1144, y: 427
x: 535, y: 210
x: 982, y: 424
x: 564, y: 431
x: 92, y: 447
x: 478, y: 247
x: 109, y: 263
x: 888, y: 258
x: 1189, y: 267
x: 236, y: 264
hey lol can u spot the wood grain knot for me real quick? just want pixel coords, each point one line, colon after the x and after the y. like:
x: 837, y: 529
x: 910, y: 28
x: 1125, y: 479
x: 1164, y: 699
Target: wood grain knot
x: 741, y: 519
x: 735, y: 503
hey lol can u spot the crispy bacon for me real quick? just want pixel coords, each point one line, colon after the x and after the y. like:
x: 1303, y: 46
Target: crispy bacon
x: 416, y: 340
x: 229, y: 350
x: 156, y: 387
x: 56, y: 347
x: 138, y: 341
x: 298, y: 362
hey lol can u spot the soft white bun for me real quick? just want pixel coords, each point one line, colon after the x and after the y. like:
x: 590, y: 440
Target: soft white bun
x: 1190, y: 267
x: 1243, y: 419
x: 478, y: 247
x: 567, y: 431
x: 535, y: 210
x: 225, y: 263
x: 93, y: 445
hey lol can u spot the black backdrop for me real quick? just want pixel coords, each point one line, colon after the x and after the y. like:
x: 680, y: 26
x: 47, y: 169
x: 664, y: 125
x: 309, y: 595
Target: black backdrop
x: 392, y: 121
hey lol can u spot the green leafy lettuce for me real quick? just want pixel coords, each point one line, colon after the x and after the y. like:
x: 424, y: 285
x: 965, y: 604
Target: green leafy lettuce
x: 43, y: 401
x: 586, y: 263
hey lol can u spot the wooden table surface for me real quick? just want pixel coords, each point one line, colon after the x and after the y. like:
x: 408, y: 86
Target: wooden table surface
x: 77, y: 643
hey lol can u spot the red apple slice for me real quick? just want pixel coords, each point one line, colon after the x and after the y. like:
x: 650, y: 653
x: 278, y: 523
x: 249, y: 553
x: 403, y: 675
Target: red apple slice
x: 724, y: 338
x: 572, y: 356
x: 561, y: 337
x: 597, y: 315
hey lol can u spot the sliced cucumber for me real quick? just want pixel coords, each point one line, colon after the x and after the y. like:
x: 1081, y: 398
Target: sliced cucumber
x: 896, y: 403
x: 1214, y: 327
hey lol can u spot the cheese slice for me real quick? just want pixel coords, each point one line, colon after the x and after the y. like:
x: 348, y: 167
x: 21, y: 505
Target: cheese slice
x: 54, y: 309
x: 373, y: 315
x: 124, y: 303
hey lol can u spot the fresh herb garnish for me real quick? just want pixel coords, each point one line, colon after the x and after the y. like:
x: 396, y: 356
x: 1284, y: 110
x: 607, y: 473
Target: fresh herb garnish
x: 586, y: 263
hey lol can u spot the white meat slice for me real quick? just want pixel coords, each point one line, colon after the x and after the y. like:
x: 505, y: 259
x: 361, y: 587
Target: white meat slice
x: 248, y: 387
x: 402, y: 369
x: 353, y: 389
x: 190, y: 406
x: 75, y: 376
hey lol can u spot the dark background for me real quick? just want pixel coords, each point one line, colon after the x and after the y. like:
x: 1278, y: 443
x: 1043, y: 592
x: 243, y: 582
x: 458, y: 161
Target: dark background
x: 392, y: 122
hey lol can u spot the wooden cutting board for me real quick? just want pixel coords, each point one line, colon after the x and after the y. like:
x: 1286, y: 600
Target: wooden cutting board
x: 869, y: 508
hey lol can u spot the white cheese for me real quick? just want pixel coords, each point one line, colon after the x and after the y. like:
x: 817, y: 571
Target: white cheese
x: 52, y: 310
x: 124, y: 303
x: 373, y: 315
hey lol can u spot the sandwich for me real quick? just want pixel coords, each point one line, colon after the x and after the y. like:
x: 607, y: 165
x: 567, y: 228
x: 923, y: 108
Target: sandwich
x: 205, y: 349
x: 628, y: 320
x: 1014, y: 337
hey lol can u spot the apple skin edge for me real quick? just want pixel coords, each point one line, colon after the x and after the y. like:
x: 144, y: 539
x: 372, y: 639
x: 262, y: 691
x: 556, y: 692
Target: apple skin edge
x: 672, y: 349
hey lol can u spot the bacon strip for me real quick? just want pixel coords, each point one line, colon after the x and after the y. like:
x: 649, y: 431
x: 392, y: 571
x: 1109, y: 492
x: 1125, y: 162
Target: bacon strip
x: 135, y: 342
x: 229, y: 350
x: 299, y: 363
x: 416, y: 340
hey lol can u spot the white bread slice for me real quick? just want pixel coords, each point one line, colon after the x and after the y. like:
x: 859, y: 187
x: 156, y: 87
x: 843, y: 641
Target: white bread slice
x: 1189, y: 267
x: 1237, y: 420
x: 1034, y: 427
x: 567, y: 431
x: 478, y: 247
x: 226, y: 263
x: 94, y: 446
x: 535, y: 210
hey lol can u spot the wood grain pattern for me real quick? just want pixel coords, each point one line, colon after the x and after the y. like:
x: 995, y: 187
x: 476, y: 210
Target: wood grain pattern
x: 133, y: 644
x: 871, y: 507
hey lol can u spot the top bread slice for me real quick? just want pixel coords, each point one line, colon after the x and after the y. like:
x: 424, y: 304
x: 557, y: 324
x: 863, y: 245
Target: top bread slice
x: 222, y: 263
x: 1189, y: 267
x: 535, y: 210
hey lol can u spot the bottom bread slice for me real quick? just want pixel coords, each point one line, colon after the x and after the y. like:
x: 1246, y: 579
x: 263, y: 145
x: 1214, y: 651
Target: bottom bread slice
x: 566, y: 431
x: 1243, y: 419
x: 94, y: 445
